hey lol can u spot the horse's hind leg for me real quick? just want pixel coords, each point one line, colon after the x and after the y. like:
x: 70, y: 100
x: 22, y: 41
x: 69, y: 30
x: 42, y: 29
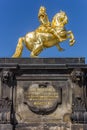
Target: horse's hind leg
x: 59, y: 47
x: 36, y: 51
x: 19, y: 48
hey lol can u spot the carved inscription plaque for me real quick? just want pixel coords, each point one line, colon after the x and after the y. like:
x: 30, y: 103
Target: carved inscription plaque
x: 42, y: 98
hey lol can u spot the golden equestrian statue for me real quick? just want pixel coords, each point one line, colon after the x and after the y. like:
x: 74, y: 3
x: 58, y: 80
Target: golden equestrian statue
x: 48, y: 34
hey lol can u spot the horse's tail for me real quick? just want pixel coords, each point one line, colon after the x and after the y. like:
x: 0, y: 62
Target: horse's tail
x: 19, y: 48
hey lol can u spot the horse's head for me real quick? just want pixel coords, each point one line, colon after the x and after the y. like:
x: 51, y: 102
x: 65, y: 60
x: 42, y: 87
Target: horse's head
x: 60, y: 19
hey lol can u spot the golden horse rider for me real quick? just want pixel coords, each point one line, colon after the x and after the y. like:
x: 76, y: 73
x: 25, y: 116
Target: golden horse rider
x: 46, y: 27
x: 48, y: 34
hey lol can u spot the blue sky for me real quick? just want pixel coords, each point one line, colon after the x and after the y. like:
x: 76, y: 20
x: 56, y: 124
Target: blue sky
x: 18, y: 17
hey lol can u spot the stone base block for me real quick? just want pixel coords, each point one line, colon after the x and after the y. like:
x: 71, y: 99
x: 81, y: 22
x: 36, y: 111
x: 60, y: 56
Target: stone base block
x: 5, y: 127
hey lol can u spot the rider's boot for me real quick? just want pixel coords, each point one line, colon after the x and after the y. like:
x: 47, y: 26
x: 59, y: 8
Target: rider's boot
x: 19, y: 49
x: 57, y: 35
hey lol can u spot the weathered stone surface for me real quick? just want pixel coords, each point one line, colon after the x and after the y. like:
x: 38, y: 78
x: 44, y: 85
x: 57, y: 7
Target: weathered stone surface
x: 5, y: 127
x: 43, y: 60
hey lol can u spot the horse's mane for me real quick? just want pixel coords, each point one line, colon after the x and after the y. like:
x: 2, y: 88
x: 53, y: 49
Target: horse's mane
x: 55, y: 18
x: 53, y: 23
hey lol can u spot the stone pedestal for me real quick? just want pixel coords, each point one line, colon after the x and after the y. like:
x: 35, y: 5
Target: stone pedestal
x: 43, y: 94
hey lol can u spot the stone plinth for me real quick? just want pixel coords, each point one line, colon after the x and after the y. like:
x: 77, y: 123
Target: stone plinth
x: 43, y: 93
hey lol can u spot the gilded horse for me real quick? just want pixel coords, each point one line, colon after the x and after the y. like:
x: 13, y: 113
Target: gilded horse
x: 37, y: 40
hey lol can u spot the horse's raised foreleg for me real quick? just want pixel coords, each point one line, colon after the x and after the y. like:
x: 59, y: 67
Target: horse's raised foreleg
x: 71, y: 36
x: 38, y: 47
x: 19, y: 48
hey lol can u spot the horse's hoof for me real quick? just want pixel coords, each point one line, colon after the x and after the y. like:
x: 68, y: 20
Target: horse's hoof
x: 72, y: 42
x: 61, y: 49
x: 33, y: 56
